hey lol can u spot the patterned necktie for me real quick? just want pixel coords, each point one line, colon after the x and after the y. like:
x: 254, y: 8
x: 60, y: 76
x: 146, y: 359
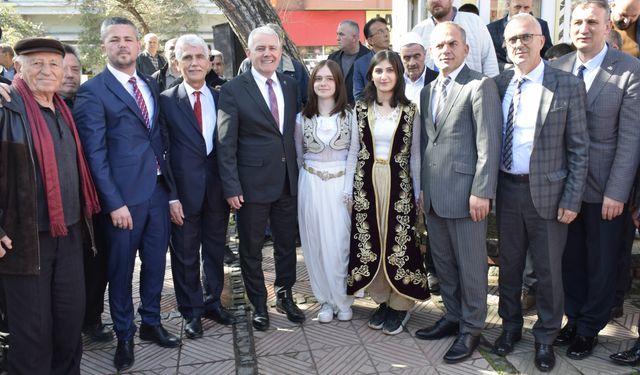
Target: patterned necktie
x: 507, y: 148
x: 273, y: 103
x: 197, y: 109
x: 581, y: 70
x: 140, y: 101
x: 443, y: 97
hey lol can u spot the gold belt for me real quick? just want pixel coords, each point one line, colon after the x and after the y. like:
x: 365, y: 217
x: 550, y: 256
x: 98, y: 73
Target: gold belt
x: 382, y: 161
x: 324, y: 175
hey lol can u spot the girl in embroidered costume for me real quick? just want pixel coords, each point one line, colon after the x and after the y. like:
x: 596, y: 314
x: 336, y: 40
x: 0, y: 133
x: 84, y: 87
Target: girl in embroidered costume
x: 384, y: 168
x: 323, y: 135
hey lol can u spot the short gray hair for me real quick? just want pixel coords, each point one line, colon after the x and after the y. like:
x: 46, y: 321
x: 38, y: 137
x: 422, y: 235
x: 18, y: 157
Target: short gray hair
x: 148, y: 36
x: 526, y: 17
x: 216, y: 53
x: 111, y: 21
x: 262, y: 30
x: 352, y: 24
x: 190, y: 40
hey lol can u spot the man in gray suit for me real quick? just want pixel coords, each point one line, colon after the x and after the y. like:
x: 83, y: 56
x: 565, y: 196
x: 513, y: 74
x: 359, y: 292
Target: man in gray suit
x: 594, y: 242
x: 542, y: 178
x: 460, y: 113
x: 258, y: 170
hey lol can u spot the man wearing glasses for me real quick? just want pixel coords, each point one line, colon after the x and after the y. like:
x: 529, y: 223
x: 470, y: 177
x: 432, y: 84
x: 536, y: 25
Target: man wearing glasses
x: 542, y: 178
x: 378, y: 39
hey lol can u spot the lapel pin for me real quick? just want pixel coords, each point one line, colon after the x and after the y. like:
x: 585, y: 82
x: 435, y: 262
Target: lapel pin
x: 610, y: 67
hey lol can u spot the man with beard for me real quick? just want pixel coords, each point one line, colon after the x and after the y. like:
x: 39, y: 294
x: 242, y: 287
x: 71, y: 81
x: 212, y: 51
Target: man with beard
x: 482, y: 56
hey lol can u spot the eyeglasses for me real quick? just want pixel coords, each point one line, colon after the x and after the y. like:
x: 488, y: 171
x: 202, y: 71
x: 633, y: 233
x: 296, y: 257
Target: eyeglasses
x: 383, y: 31
x: 524, y: 38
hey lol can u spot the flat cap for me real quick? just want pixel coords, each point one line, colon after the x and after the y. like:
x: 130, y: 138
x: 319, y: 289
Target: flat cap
x: 32, y: 45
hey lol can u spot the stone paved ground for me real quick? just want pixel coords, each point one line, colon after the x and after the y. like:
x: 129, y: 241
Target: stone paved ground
x: 342, y: 347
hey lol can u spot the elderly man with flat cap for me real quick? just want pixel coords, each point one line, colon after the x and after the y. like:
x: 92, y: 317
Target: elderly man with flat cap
x: 47, y: 198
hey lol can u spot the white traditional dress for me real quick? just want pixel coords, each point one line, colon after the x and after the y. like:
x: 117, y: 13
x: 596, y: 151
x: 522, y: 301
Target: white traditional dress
x: 322, y: 145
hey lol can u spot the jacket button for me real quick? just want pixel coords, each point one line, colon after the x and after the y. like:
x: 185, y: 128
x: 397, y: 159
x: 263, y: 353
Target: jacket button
x: 283, y: 159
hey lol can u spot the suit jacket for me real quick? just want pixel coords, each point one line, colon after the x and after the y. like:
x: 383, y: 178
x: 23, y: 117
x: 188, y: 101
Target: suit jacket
x: 559, y: 158
x: 461, y: 156
x: 496, y: 29
x: 192, y: 170
x: 613, y: 111
x: 348, y: 76
x: 255, y: 159
x: 429, y: 76
x: 144, y: 64
x: 121, y: 151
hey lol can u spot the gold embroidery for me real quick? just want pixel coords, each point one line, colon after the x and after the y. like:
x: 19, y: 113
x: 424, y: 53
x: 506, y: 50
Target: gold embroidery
x: 324, y: 175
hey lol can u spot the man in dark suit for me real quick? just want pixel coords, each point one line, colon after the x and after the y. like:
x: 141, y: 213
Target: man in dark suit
x: 596, y: 237
x: 378, y: 37
x: 541, y: 183
x: 150, y: 60
x: 117, y: 117
x: 496, y: 29
x: 461, y: 151
x: 257, y: 160
x: 350, y: 49
x: 199, y: 212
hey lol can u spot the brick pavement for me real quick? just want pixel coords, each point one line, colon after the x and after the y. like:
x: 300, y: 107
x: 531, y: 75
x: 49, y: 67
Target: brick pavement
x: 341, y: 347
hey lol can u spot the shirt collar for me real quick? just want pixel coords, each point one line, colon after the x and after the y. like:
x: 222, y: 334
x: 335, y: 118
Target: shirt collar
x: 122, y: 77
x: 262, y: 80
x: 190, y: 90
x: 453, y: 74
x: 595, y: 61
x: 420, y: 79
x: 535, y: 75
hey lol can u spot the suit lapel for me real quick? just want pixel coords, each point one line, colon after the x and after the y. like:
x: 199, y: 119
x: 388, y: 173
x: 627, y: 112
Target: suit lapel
x: 426, y: 103
x: 290, y: 96
x: 156, y: 98
x: 251, y: 87
x: 185, y: 106
x: 452, y: 96
x: 118, y: 90
x: 549, y: 86
x: 602, y: 77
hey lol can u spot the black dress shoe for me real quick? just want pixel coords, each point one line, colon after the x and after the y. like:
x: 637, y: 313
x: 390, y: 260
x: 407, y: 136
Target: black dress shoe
x: 545, y: 358
x: 260, y: 319
x: 566, y: 335
x: 98, y: 332
x: 193, y: 328
x: 443, y: 328
x: 629, y: 357
x: 159, y: 335
x: 124, y: 358
x: 220, y: 315
x: 505, y: 343
x: 229, y: 256
x: 285, y: 305
x: 462, y: 348
x: 581, y: 347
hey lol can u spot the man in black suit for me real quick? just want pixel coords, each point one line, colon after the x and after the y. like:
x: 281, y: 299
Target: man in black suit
x: 496, y: 29
x: 199, y: 213
x: 258, y: 169
x: 350, y: 49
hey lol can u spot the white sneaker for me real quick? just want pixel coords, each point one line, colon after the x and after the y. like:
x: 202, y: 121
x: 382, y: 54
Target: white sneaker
x: 345, y: 315
x: 326, y: 313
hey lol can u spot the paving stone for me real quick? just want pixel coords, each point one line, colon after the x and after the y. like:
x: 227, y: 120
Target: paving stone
x: 524, y: 362
x: 345, y: 360
x: 287, y: 364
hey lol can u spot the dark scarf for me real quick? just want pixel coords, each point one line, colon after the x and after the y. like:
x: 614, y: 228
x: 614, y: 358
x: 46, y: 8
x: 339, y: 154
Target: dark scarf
x: 43, y: 145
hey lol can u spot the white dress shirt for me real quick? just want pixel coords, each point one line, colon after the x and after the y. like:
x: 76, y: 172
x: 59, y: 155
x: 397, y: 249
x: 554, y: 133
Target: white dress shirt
x: 208, y: 112
x: 412, y: 88
x: 261, y: 81
x: 436, y: 87
x: 592, y: 66
x: 525, y: 117
x: 123, y: 78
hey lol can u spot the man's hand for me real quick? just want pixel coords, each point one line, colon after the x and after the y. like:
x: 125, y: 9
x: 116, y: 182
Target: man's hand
x: 5, y: 244
x: 4, y: 92
x: 175, y: 210
x: 421, y: 202
x: 121, y: 218
x: 566, y: 216
x: 478, y: 208
x: 611, y: 208
x: 235, y: 202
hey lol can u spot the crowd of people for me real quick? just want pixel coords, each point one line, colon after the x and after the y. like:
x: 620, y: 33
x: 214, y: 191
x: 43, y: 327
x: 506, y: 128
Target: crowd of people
x: 155, y: 151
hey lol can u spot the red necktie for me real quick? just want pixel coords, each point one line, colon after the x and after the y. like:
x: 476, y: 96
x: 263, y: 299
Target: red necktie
x: 197, y: 108
x: 140, y: 101
x: 273, y: 103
